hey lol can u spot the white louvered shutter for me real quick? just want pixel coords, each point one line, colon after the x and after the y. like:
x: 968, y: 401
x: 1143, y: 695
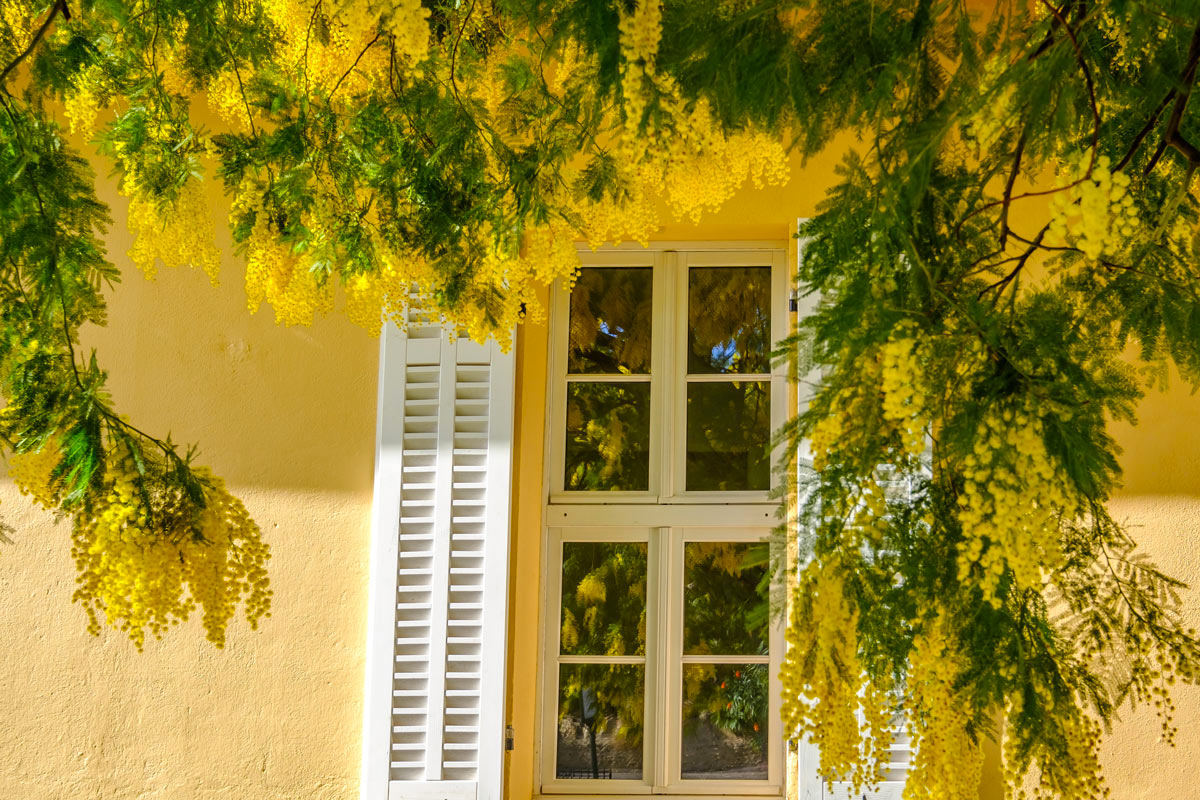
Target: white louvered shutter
x: 434, y: 716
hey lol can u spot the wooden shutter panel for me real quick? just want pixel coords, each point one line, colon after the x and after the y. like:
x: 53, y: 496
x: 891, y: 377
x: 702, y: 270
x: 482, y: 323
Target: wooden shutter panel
x: 434, y: 715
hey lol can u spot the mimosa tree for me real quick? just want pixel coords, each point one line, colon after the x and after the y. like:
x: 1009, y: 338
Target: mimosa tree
x: 451, y: 154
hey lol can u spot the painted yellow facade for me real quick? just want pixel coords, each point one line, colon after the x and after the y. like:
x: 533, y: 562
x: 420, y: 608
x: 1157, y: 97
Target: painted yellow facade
x: 288, y: 417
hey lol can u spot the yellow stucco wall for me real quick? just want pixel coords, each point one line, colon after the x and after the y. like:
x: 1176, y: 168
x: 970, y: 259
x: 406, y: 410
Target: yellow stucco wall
x: 287, y: 416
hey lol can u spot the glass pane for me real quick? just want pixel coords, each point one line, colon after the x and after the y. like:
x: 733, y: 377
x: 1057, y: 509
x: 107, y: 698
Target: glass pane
x: 600, y: 712
x: 728, y: 433
x: 724, y: 722
x: 610, y: 321
x: 725, y: 598
x: 608, y: 436
x: 603, y: 599
x: 729, y: 319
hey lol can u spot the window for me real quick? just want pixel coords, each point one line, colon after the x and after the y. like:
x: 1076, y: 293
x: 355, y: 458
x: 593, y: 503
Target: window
x: 662, y: 386
x: 661, y: 649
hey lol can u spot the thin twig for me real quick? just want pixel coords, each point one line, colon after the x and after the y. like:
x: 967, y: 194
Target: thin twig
x: 1049, y: 38
x: 1094, y: 146
x: 400, y: 102
x: 454, y: 50
x: 1143, y: 133
x: 237, y: 73
x: 1021, y: 260
x: 1087, y: 78
x: 307, y: 34
x: 58, y: 8
x: 346, y: 74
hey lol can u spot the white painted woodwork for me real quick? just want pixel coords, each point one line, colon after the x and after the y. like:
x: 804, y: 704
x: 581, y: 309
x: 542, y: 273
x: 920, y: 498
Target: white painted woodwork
x: 665, y: 516
x: 434, y: 703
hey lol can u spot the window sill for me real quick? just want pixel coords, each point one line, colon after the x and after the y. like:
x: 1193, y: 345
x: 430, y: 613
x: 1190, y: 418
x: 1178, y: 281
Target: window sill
x: 691, y: 790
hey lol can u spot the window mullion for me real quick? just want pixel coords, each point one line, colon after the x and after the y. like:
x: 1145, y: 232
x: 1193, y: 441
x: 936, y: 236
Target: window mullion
x: 678, y: 338
x: 671, y: 582
x: 664, y: 386
x: 781, y: 322
x: 657, y: 720
x: 556, y: 443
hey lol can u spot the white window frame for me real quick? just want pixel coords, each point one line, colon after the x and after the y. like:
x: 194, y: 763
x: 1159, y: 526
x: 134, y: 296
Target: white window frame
x: 663, y: 660
x: 666, y: 516
x: 671, y: 262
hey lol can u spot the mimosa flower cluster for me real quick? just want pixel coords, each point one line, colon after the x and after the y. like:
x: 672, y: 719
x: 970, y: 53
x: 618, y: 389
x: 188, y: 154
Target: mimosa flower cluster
x: 853, y: 411
x: 1012, y: 505
x: 685, y: 154
x: 347, y: 52
x: 903, y: 387
x: 146, y: 563
x: 1097, y: 214
x: 180, y: 234
x: 948, y: 761
x: 33, y: 473
x: 823, y: 685
x: 995, y: 115
x: 1077, y: 776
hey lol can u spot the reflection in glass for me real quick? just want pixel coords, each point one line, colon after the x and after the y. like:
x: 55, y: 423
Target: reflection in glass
x: 729, y: 320
x: 608, y: 436
x: 725, y: 598
x: 600, y: 716
x: 610, y: 321
x: 603, y: 598
x: 728, y: 431
x: 724, y: 722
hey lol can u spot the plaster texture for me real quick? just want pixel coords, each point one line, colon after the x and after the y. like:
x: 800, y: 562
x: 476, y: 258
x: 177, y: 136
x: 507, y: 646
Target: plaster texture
x: 287, y: 416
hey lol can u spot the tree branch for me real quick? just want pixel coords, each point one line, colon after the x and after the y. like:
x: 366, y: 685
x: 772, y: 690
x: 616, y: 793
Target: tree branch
x: 1054, y: 23
x: 1002, y: 283
x: 1172, y: 137
x: 1087, y: 78
x: 1143, y: 133
x: 1094, y: 146
x: 346, y: 74
x: 1008, y: 187
x: 58, y: 8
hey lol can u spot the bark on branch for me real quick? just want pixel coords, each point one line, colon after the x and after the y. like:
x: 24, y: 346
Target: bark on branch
x: 1171, y: 136
x: 59, y: 8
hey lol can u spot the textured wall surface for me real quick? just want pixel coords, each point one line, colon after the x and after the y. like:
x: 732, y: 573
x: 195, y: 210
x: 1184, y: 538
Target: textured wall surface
x: 288, y: 418
x: 1139, y: 766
